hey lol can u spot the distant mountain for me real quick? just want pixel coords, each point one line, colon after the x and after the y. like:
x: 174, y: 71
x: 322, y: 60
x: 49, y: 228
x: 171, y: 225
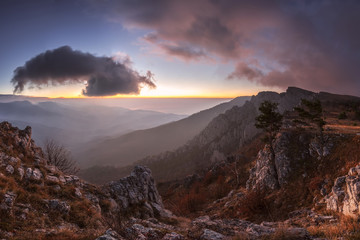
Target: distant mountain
x: 222, y: 136
x: 13, y: 97
x: 126, y: 149
x: 74, y: 125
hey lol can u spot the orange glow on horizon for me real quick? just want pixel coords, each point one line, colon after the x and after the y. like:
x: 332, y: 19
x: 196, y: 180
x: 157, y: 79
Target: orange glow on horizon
x: 154, y: 96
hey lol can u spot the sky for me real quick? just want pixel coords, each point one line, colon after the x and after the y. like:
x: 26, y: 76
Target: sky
x: 171, y: 48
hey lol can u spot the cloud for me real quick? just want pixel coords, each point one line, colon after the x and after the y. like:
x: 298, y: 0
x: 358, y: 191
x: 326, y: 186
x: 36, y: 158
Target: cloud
x: 243, y: 70
x: 312, y: 44
x: 104, y: 76
x: 184, y: 52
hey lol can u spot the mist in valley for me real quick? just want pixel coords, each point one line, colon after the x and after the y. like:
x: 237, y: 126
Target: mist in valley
x: 81, y: 125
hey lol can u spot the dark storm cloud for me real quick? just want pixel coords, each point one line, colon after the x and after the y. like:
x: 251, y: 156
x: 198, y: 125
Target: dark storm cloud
x: 312, y: 44
x: 103, y: 75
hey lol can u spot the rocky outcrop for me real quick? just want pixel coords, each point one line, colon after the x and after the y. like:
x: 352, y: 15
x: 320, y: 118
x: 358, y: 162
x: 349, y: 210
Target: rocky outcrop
x: 292, y: 149
x: 345, y: 194
x: 263, y: 174
x: 138, y: 190
x: 268, y: 174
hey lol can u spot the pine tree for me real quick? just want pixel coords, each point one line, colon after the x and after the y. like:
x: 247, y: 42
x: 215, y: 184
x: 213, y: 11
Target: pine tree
x: 311, y: 113
x: 270, y: 121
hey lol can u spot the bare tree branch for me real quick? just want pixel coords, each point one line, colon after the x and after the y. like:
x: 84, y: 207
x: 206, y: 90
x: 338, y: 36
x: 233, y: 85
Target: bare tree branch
x: 60, y: 157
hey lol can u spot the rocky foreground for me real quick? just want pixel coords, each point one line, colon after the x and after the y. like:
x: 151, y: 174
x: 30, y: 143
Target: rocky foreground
x: 38, y: 201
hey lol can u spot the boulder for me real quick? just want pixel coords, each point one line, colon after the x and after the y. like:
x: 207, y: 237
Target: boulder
x: 173, y: 236
x: 211, y: 235
x: 33, y: 174
x: 8, y: 202
x: 138, y: 189
x: 57, y: 205
x: 9, y: 169
x: 345, y: 194
x: 78, y: 193
x: 52, y: 179
x: 110, y: 235
x: 21, y: 172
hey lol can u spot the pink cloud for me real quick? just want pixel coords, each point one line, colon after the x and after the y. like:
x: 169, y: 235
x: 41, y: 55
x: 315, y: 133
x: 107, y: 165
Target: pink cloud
x: 311, y: 44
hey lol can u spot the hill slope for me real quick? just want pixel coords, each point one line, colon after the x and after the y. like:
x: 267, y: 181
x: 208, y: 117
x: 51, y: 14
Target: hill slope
x: 38, y: 201
x: 126, y: 149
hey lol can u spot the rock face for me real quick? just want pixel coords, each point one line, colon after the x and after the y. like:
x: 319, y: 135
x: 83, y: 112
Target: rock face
x: 292, y: 148
x: 138, y: 189
x: 264, y: 174
x: 345, y: 194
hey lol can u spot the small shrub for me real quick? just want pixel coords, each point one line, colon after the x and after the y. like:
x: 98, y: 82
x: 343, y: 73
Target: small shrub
x: 342, y: 115
x: 82, y: 214
x: 315, y: 183
x: 191, y: 202
x: 208, y: 178
x: 6, y: 221
x: 252, y: 203
x: 281, y: 234
x: 221, y: 188
x: 354, y: 236
x: 105, y: 205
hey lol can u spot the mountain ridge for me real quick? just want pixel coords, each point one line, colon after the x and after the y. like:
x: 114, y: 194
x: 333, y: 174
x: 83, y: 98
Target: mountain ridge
x: 151, y: 141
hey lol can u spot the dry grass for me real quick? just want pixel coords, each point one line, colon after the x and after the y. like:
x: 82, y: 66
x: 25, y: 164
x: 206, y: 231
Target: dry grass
x: 347, y: 227
x: 64, y: 235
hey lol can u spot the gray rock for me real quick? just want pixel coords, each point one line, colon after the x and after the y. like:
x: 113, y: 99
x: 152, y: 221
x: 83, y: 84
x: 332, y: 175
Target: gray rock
x: 33, y: 174
x: 36, y: 174
x: 211, y: 235
x: 298, y: 233
x: 21, y: 172
x: 8, y: 201
x: 9, y: 169
x: 344, y: 197
x: 28, y: 173
x: 229, y: 227
x: 62, y: 179
x: 58, y: 205
x: 52, y: 179
x: 51, y: 168
x: 14, y: 160
x: 263, y: 175
x: 110, y: 235
x: 78, y: 193
x: 138, y: 188
x: 173, y: 236
x: 57, y: 188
